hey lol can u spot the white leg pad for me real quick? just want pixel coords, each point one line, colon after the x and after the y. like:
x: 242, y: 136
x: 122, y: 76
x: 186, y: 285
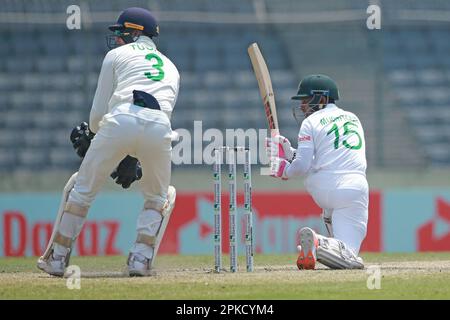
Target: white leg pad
x: 148, y: 225
x: 152, y: 225
x: 59, y: 243
x: 334, y: 254
x: 65, y: 194
x: 68, y: 229
x: 166, y: 213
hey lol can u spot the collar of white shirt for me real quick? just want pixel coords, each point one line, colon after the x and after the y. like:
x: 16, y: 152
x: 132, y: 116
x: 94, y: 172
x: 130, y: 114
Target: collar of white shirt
x: 146, y: 40
x: 327, y: 107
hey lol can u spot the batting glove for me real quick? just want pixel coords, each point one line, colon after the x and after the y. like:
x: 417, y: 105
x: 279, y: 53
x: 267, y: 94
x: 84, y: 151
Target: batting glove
x: 278, y: 167
x: 279, y: 146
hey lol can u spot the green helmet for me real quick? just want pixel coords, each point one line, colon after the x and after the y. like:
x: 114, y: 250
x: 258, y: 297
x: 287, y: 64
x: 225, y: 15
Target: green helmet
x: 317, y: 84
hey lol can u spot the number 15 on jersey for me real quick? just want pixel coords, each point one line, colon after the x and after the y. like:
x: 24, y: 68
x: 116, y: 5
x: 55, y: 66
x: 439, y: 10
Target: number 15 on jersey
x: 350, y: 131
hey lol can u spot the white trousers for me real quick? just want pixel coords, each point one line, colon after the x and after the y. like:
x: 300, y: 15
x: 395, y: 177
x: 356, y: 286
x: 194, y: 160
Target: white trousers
x: 344, y: 198
x: 128, y: 130
x: 135, y: 131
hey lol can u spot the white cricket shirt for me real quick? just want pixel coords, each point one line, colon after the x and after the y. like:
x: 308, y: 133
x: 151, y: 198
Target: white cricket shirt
x: 337, y: 139
x: 134, y: 66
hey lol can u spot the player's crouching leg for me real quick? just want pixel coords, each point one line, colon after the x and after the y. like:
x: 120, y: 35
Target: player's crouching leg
x: 331, y: 252
x: 151, y: 225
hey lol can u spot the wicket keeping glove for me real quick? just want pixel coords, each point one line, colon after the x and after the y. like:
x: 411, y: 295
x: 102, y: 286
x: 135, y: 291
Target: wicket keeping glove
x: 128, y: 171
x: 81, y: 138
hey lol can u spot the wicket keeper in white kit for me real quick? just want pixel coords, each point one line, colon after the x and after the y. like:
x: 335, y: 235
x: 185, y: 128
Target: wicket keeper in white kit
x: 131, y: 134
x: 331, y: 154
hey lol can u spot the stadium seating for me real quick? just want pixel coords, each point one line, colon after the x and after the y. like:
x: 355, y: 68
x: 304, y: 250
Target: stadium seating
x: 420, y: 86
x: 49, y: 75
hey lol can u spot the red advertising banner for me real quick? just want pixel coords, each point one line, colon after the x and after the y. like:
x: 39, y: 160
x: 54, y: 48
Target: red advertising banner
x: 429, y: 235
x: 20, y: 235
x: 277, y: 218
x: 26, y: 224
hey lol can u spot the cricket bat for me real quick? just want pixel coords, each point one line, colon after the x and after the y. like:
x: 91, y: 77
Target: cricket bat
x: 265, y: 86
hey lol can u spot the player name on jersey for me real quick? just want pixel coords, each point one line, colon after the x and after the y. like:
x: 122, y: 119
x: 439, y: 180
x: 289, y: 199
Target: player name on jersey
x: 343, y: 117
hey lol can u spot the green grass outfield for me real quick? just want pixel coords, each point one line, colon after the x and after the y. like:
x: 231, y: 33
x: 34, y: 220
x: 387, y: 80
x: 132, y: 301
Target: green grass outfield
x: 403, y: 276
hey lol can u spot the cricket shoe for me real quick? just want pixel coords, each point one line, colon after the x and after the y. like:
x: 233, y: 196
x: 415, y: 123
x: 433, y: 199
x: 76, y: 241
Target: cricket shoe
x: 138, y: 265
x: 308, y: 249
x: 54, y: 265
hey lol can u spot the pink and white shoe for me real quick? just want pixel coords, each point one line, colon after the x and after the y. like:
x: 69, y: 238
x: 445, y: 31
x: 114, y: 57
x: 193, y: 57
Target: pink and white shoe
x: 308, y: 249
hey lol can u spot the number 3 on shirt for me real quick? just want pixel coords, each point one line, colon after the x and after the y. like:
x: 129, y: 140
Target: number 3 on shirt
x: 347, y: 130
x: 157, y: 65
